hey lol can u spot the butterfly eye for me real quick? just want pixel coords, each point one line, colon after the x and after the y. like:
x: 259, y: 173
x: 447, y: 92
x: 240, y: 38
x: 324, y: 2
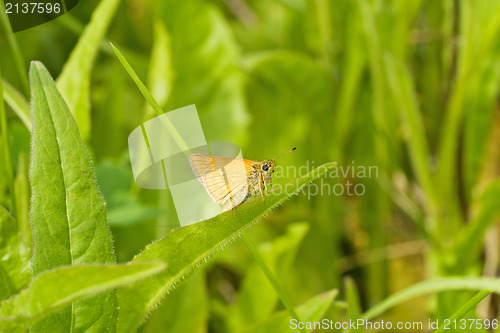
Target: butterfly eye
x: 265, y: 167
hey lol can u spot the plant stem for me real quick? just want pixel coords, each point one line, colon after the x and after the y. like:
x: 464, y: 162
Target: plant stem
x: 152, y: 102
x: 324, y: 29
x: 270, y: 276
x: 16, y: 50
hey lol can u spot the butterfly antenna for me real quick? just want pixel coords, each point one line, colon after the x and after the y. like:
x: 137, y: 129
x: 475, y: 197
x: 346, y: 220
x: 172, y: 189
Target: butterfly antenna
x: 285, y: 153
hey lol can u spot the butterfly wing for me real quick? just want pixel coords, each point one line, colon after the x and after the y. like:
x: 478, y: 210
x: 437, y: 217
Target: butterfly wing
x: 225, y: 179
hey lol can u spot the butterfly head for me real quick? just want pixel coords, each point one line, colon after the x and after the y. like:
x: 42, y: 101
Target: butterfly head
x: 268, y: 167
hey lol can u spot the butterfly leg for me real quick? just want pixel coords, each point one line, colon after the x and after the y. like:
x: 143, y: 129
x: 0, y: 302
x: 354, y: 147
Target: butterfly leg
x: 261, y: 180
x: 265, y: 185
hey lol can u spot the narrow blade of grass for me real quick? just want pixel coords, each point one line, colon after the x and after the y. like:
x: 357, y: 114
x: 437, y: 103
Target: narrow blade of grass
x: 434, y: 286
x: 160, y: 72
x: 54, y: 289
x: 22, y: 193
x: 6, y: 149
x: 150, y: 99
x: 68, y: 213
x: 16, y: 50
x: 487, y: 212
x: 270, y: 277
x: 311, y: 311
x: 411, y: 119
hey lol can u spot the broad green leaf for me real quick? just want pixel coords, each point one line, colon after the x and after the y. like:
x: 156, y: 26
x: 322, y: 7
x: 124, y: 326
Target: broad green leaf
x: 59, y: 287
x: 186, y: 248
x: 311, y: 311
x: 68, y: 213
x: 257, y: 298
x: 14, y: 257
x: 434, y: 286
x: 411, y: 120
x: 205, y: 59
x: 465, y: 308
x: 74, y: 81
x: 17, y: 102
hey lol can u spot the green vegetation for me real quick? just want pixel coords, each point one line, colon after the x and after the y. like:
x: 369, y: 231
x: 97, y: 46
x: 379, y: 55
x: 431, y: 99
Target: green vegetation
x: 409, y: 88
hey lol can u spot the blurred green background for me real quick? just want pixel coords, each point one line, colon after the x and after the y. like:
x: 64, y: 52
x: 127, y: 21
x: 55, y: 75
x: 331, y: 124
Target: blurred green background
x: 408, y: 86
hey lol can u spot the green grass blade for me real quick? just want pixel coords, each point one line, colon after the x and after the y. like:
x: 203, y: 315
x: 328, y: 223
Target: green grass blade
x: 14, y: 257
x: 152, y: 102
x: 352, y: 298
x: 68, y: 213
x: 74, y: 81
x: 186, y: 248
x: 57, y: 288
x: 256, y: 299
x: 206, y: 60
x: 355, y: 63
x: 311, y: 311
x: 16, y: 50
x: 413, y: 125
x: 185, y: 310
x: 160, y: 72
x: 487, y: 212
x: 72, y: 24
x: 473, y: 54
x: 273, y: 77
x: 323, y: 17
x: 18, y: 103
x: 64, y: 6
x: 270, y: 277
x: 434, y: 286
x: 469, y: 305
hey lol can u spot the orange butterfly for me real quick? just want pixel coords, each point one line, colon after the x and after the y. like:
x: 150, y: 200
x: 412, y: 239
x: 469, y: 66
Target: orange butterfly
x: 231, y: 181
